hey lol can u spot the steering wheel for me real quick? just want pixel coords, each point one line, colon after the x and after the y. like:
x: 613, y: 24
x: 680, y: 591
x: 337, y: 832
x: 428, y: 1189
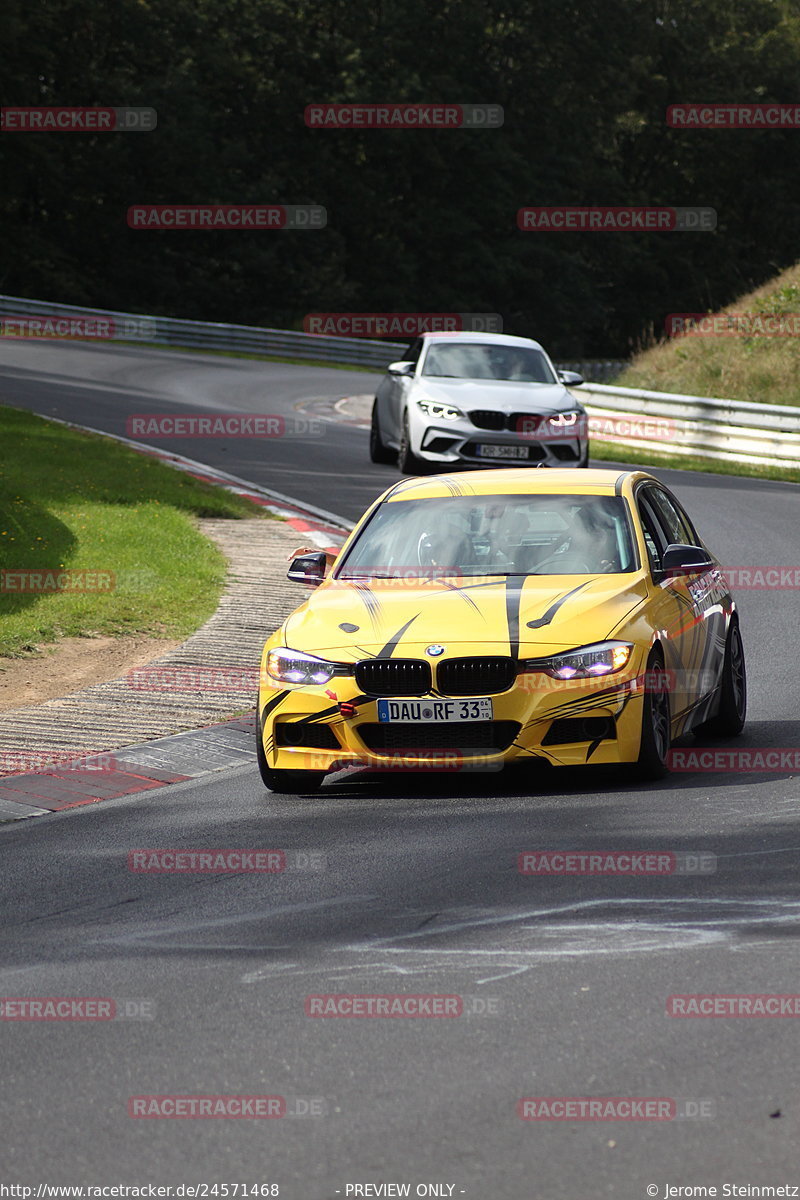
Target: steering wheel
x: 425, y: 551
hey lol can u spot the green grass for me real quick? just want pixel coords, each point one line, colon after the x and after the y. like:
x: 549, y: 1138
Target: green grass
x: 765, y: 370
x: 78, y: 501
x: 626, y: 453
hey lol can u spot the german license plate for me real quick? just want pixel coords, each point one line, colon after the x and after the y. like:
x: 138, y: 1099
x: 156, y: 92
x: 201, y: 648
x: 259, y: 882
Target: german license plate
x: 484, y: 451
x: 421, y: 712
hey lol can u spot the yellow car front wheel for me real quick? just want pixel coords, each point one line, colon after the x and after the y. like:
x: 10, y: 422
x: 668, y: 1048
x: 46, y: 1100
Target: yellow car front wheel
x: 656, y: 721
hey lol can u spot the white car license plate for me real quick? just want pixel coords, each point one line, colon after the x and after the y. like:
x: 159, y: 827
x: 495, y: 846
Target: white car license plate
x: 420, y: 712
x: 502, y: 451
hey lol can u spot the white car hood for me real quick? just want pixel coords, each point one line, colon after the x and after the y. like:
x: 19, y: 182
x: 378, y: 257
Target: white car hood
x: 500, y: 396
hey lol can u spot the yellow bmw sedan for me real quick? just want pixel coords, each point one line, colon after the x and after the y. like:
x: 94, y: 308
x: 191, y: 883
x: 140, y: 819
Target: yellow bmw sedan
x: 503, y: 616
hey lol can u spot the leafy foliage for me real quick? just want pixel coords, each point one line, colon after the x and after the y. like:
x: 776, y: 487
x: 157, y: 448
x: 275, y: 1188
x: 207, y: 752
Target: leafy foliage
x: 418, y: 220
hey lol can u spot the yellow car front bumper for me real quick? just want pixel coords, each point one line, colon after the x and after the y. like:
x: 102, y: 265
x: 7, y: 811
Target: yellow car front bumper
x: 564, y: 723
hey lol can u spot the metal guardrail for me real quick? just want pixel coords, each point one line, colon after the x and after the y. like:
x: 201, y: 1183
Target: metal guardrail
x: 205, y: 335
x: 729, y: 430
x: 243, y: 339
x: 686, y: 426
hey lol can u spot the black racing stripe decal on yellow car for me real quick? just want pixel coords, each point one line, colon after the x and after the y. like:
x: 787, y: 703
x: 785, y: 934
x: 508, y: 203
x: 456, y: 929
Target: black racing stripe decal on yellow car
x: 364, y: 652
x: 456, y: 487
x: 685, y: 604
x: 699, y: 640
x: 370, y: 601
x: 268, y: 707
x: 591, y: 749
x: 547, y: 617
x: 620, y: 692
x: 600, y: 699
x: 593, y: 746
x: 373, y: 603
x: 452, y: 587
x: 391, y: 645
x: 694, y: 627
x: 513, y: 601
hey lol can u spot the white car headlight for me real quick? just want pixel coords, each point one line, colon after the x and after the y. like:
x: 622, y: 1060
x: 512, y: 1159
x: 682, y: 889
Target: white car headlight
x: 589, y: 662
x: 565, y: 420
x: 442, y: 412
x: 291, y: 666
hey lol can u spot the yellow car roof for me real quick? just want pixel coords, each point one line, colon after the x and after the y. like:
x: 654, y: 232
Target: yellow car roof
x: 510, y: 481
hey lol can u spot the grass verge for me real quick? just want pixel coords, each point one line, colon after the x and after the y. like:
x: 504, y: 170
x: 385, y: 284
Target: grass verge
x: 763, y: 369
x: 78, y: 502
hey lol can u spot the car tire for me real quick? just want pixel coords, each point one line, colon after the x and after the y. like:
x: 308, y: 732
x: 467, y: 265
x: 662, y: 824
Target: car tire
x: 585, y: 460
x: 378, y: 453
x: 729, y: 721
x: 285, y: 783
x: 656, y: 723
x: 407, y: 461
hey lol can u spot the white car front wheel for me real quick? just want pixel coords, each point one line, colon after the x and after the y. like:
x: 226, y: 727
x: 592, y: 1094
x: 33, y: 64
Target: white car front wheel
x: 407, y: 460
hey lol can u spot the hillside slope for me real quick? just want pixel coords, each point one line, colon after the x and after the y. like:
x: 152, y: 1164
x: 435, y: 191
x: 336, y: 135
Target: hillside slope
x: 761, y: 368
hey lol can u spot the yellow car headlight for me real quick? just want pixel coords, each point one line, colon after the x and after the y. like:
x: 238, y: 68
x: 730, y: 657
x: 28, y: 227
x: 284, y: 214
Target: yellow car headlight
x: 292, y: 666
x: 587, y: 662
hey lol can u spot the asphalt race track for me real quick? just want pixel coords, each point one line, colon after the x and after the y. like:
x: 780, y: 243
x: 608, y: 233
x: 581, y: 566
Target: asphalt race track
x: 564, y: 980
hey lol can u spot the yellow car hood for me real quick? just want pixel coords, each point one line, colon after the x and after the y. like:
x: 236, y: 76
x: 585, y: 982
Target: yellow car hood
x: 521, y: 616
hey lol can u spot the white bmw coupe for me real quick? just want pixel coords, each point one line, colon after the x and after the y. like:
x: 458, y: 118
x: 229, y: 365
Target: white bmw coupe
x: 477, y: 399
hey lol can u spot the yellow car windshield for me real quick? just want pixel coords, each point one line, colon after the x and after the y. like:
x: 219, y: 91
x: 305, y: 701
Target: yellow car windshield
x: 494, y: 535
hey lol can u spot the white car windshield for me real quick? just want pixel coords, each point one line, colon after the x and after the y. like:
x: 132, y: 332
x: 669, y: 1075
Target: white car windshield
x: 474, y: 360
x: 494, y: 535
